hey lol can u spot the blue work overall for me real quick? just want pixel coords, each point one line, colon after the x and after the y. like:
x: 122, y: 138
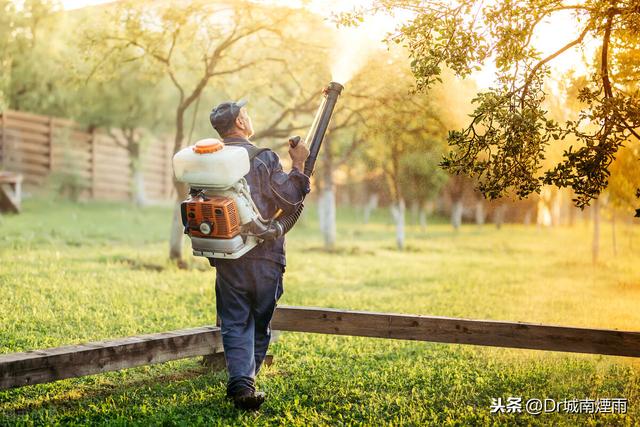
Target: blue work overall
x: 248, y: 288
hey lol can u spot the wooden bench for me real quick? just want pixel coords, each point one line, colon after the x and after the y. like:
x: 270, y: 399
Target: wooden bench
x: 10, y: 191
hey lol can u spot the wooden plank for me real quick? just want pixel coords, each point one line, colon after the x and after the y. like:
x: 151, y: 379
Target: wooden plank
x: 158, y: 177
x: 50, y: 144
x: 27, y: 168
x: 108, y: 175
x: 23, y: 136
x: 64, y: 123
x: 24, y: 157
x: 94, y: 177
x: 153, y: 169
x: 60, y: 167
x: 153, y: 186
x: 70, y: 154
x: 72, y: 136
x: 29, y: 117
x: 168, y: 181
x: 27, y: 126
x: 32, y: 147
x: 154, y: 160
x: 40, y: 366
x: 458, y: 331
x: 117, y: 154
x: 106, y: 160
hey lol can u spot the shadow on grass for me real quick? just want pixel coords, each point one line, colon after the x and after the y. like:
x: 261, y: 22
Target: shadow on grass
x: 108, y: 397
x: 159, y: 266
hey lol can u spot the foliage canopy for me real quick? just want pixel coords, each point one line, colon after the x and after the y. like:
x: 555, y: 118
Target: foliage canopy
x: 504, y: 145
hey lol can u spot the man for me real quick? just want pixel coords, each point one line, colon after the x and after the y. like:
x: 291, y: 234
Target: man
x: 248, y: 288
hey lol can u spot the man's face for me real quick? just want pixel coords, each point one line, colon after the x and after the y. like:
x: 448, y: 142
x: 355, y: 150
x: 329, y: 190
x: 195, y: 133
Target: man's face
x: 243, y: 122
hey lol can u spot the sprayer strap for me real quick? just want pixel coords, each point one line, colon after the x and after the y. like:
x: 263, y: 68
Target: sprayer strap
x: 254, y: 151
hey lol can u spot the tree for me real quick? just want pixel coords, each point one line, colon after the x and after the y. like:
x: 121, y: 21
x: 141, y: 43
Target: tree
x: 403, y: 124
x: 7, y: 31
x: 505, y: 143
x: 132, y: 108
x: 35, y: 50
x: 193, y: 45
x: 420, y: 177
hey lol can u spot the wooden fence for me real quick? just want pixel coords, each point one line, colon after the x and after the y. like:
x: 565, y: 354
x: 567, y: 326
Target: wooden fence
x: 40, y: 147
x: 40, y: 366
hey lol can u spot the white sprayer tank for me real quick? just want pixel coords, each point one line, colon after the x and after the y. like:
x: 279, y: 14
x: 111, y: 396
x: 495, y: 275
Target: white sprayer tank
x: 211, y: 164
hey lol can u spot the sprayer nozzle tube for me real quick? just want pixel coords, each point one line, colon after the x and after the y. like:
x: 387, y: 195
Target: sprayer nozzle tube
x: 320, y: 124
x: 335, y: 86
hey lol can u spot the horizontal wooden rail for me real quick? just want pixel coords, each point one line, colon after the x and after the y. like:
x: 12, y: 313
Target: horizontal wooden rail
x: 33, y: 367
x: 457, y: 331
x: 41, y: 366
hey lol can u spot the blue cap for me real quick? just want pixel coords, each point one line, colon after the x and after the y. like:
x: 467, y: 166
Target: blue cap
x: 225, y: 114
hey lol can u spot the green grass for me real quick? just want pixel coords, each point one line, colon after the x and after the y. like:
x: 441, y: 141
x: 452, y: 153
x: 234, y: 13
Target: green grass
x: 71, y: 273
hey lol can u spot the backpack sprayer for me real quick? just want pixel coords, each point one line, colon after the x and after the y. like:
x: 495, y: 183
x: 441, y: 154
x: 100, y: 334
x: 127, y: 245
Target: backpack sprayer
x: 219, y: 215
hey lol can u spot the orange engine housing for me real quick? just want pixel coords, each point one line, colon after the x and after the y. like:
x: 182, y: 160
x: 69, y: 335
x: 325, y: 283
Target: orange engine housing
x: 219, y: 214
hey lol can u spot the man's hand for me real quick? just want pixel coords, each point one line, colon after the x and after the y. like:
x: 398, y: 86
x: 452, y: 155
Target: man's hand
x: 298, y: 154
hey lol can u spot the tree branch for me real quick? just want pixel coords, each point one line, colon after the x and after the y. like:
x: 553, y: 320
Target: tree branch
x: 554, y: 55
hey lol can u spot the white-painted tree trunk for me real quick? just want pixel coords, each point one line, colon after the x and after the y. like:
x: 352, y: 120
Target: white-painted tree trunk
x: 480, y: 217
x: 556, y: 209
x: 527, y: 217
x: 321, y: 214
x: 176, y: 239
x: 415, y: 211
x: 456, y: 214
x: 327, y: 212
x: 498, y: 216
x: 371, y: 205
x: 398, y: 213
x: 422, y: 217
x: 139, y: 195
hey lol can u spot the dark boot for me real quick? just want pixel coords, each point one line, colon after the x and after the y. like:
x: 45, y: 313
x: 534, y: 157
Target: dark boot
x: 248, y: 400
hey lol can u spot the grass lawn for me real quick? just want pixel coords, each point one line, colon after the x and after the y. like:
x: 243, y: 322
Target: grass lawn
x: 72, y: 273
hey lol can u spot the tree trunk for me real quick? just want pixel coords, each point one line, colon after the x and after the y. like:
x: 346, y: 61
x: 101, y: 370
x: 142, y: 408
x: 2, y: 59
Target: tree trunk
x: 415, y: 211
x: 422, y: 217
x: 321, y: 215
x: 480, y: 213
x: 456, y: 214
x: 327, y: 202
x: 371, y: 205
x: 398, y: 213
x: 176, y: 240
x: 328, y: 212
x: 498, y: 216
x: 595, y: 247
x: 556, y: 203
x: 177, y: 231
x: 527, y: 216
x: 135, y: 166
x: 139, y: 197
